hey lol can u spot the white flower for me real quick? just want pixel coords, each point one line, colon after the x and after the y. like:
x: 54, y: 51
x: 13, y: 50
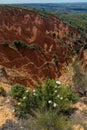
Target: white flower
x: 58, y: 96
x: 27, y: 91
x: 13, y: 110
x: 55, y: 91
x: 34, y: 94
x: 19, y: 103
x: 58, y: 82
x: 34, y: 90
x: 61, y: 98
x: 24, y: 97
x: 54, y: 105
x: 49, y: 101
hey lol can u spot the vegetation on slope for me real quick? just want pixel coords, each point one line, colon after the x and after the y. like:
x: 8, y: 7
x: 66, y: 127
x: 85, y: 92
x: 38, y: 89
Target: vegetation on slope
x: 49, y: 105
x: 46, y: 107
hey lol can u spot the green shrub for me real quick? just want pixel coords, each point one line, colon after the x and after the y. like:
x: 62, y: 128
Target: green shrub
x: 18, y: 44
x: 31, y: 100
x: 51, y: 95
x: 17, y: 91
x: 58, y: 96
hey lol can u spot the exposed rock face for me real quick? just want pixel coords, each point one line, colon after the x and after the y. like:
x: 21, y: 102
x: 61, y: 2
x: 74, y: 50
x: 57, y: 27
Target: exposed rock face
x: 48, y: 33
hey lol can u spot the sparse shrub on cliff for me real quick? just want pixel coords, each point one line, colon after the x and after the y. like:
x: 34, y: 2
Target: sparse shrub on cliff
x: 2, y: 91
x: 85, y: 46
x: 18, y: 44
x: 53, y: 35
x: 33, y: 47
x: 55, y: 57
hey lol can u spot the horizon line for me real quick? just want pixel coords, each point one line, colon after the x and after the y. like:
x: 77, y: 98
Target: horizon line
x: 48, y: 3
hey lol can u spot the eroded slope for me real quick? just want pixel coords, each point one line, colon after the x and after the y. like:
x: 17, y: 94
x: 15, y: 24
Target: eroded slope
x: 51, y: 40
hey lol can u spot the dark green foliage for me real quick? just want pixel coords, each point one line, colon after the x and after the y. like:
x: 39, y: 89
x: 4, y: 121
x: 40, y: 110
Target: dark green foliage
x: 49, y: 93
x: 74, y: 19
x: 49, y: 96
x: 53, y: 35
x: 45, y: 107
x: 85, y: 46
x: 17, y: 91
x: 18, y: 44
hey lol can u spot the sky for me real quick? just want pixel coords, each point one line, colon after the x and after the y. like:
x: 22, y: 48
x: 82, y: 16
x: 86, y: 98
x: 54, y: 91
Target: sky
x: 38, y: 1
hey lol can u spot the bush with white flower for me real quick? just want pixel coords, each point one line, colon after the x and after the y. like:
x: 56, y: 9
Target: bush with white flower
x: 57, y: 96
x: 50, y: 95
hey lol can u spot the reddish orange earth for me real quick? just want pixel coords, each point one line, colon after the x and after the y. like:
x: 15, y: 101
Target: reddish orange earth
x: 28, y: 66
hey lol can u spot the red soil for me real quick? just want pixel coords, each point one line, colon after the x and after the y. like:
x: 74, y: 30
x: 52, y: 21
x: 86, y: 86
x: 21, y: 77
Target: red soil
x: 28, y: 26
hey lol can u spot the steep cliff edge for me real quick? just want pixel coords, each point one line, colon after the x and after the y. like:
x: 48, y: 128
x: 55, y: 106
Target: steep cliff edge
x: 47, y: 45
